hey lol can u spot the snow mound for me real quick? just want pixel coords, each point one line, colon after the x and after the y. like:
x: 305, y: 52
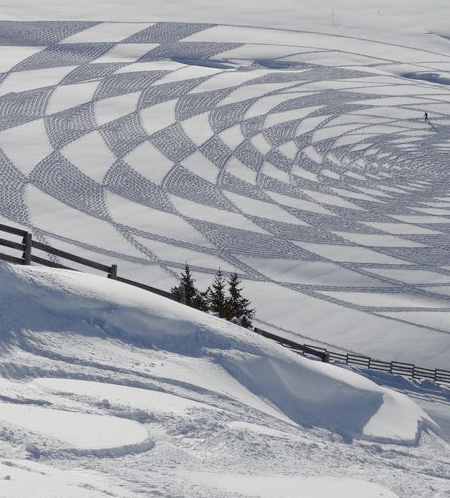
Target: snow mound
x: 78, y: 431
x: 217, y: 355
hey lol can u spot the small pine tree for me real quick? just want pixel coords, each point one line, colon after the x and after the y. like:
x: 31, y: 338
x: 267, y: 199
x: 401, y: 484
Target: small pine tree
x: 238, y: 307
x: 200, y: 301
x: 217, y: 301
x: 185, y: 292
x: 233, y: 307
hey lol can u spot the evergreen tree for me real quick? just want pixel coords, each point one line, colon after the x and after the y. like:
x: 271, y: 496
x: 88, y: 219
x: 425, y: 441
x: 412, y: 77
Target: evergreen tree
x: 185, y: 292
x: 233, y: 307
x: 217, y: 300
x: 238, y: 307
x: 200, y: 300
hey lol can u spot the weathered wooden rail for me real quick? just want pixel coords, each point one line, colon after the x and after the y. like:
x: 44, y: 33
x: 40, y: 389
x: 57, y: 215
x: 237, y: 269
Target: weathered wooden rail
x: 392, y: 367
x: 38, y: 253
x: 28, y: 247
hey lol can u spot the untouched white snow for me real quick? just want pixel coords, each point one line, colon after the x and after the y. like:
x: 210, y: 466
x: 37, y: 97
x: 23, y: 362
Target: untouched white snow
x: 408, y: 17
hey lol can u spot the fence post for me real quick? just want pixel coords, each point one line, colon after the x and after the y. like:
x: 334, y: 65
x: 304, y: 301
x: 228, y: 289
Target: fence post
x: 27, y: 240
x: 113, y: 272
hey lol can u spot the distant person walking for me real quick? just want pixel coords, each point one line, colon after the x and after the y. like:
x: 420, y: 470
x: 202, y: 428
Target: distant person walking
x: 425, y: 117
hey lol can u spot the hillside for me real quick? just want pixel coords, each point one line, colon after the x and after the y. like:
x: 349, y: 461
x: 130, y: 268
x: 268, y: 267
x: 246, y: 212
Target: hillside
x: 302, y: 145
x: 138, y: 395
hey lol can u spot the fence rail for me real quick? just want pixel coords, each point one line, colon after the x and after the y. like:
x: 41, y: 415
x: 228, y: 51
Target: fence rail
x: 27, y: 244
x: 392, y: 367
x: 28, y: 247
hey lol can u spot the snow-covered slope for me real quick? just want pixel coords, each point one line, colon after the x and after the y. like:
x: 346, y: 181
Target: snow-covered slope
x: 297, y: 158
x: 63, y: 305
x: 284, y: 141
x: 118, y: 380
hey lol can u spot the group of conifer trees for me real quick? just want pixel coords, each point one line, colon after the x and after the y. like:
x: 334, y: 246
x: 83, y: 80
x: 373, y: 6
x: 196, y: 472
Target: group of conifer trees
x: 223, y: 297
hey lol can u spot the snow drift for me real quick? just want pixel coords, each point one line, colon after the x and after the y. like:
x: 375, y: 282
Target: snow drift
x: 64, y: 307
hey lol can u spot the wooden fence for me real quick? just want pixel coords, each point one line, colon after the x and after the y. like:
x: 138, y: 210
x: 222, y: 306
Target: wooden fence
x: 28, y: 247
x: 392, y: 367
x: 36, y: 252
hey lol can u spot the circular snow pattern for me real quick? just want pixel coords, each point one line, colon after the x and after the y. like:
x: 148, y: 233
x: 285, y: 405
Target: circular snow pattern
x: 155, y: 144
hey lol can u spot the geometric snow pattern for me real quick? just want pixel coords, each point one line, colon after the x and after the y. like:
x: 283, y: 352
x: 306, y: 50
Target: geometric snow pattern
x: 269, y: 165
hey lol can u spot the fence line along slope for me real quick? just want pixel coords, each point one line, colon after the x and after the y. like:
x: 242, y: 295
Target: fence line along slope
x: 27, y: 245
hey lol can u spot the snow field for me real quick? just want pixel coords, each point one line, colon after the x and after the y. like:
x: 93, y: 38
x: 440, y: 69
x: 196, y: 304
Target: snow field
x: 95, y: 372
x: 298, y: 159
x: 284, y: 142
